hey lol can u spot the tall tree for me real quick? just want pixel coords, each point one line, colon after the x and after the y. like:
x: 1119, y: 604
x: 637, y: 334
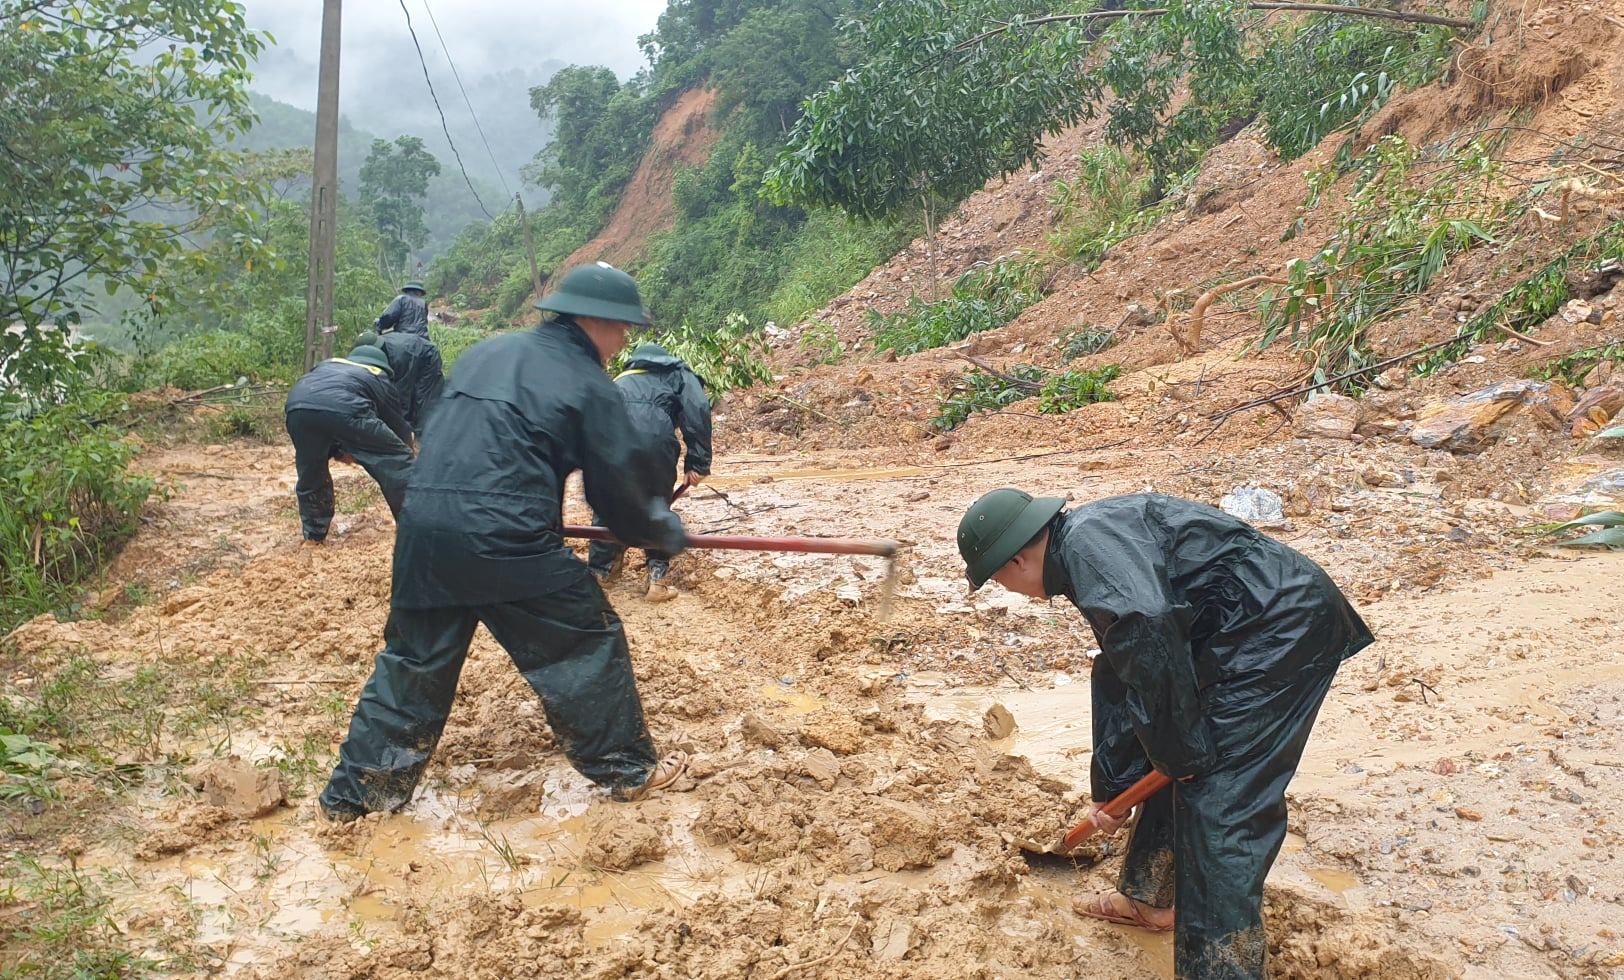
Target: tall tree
x: 114, y: 122
x: 394, y: 182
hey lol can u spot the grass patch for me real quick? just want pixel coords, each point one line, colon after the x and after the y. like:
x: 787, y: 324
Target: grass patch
x: 1063, y: 391
x: 1101, y: 207
x: 982, y: 299
x: 54, y: 923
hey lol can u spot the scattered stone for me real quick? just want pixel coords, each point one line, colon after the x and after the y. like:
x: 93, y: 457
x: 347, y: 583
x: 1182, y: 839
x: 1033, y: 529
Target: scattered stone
x: 1467, y: 813
x: 1326, y: 417
x: 998, y: 722
x: 834, y: 730
x: 1595, y: 409
x: 1445, y: 767
x: 238, y: 787
x: 1255, y: 505
x: 758, y: 731
x: 1467, y: 423
x: 1375, y: 477
x: 822, y: 767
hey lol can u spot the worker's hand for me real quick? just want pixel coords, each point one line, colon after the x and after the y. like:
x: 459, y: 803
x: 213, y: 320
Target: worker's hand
x: 1107, y: 823
x: 693, y: 479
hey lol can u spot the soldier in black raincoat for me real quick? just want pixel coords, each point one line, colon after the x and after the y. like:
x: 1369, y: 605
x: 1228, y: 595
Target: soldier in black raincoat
x: 662, y: 395
x: 1217, y: 646
x: 414, y: 363
x: 406, y: 313
x: 479, y: 542
x: 346, y: 408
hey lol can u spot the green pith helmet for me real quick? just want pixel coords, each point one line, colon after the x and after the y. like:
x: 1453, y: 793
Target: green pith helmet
x: 414, y: 284
x: 368, y: 339
x: 997, y: 526
x: 369, y: 355
x: 599, y: 290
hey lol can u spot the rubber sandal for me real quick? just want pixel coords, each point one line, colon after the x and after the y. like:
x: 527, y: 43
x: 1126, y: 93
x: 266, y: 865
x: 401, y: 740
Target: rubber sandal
x: 671, y: 767
x: 1101, y: 907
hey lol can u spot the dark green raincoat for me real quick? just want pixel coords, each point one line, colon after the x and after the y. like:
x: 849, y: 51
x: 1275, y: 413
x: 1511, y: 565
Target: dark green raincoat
x: 341, y: 408
x: 1217, y: 645
x: 414, y: 361
x: 662, y: 396
x: 478, y: 542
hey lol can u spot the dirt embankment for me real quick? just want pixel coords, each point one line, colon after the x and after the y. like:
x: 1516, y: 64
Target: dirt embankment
x: 683, y: 137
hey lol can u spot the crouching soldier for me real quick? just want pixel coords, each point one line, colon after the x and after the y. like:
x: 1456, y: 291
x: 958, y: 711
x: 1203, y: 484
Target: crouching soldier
x: 415, y: 367
x: 345, y: 408
x: 479, y: 542
x: 662, y: 395
x: 1217, y: 646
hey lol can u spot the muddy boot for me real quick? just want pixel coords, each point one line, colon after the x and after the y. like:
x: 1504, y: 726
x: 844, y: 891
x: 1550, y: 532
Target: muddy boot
x: 659, y: 585
x: 339, y: 814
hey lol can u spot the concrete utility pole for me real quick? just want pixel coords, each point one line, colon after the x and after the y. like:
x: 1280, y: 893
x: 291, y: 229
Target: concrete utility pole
x: 529, y: 246
x: 319, y: 324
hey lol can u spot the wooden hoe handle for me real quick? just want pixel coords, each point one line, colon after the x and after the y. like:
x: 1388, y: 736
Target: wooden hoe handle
x: 1119, y: 807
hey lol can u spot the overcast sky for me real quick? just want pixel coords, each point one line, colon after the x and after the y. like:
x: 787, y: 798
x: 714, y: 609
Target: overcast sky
x: 485, y: 37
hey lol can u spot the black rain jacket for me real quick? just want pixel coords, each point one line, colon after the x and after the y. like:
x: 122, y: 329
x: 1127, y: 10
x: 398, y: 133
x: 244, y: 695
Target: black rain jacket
x: 350, y: 389
x: 520, y: 414
x: 406, y: 313
x: 663, y: 395
x: 414, y: 361
x: 1189, y: 606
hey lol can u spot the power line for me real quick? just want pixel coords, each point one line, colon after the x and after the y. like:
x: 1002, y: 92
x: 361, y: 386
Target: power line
x: 469, y: 102
x: 422, y: 61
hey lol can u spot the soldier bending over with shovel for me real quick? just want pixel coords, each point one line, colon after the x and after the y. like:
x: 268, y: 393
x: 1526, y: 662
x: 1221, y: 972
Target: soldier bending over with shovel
x: 1217, y: 646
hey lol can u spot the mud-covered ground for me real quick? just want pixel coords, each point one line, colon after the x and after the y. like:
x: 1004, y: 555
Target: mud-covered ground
x: 849, y: 813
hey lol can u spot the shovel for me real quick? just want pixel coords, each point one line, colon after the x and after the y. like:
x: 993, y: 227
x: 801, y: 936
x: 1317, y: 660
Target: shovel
x: 1119, y: 807
x: 805, y: 545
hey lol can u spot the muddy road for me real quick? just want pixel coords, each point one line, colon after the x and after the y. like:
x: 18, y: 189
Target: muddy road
x: 849, y: 812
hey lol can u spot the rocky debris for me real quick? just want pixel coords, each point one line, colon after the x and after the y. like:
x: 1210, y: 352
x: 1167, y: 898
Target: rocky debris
x: 821, y: 766
x: 1385, y: 413
x: 834, y: 730
x: 757, y: 731
x: 1326, y: 416
x: 1468, y: 423
x: 1595, y: 409
x: 239, y: 788
x: 998, y: 722
x: 1254, y: 505
x: 906, y: 836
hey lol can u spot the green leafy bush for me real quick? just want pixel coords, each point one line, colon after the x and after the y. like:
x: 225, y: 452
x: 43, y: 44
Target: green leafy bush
x: 70, y: 499
x: 1071, y: 390
x: 1084, y: 341
x: 207, y: 360
x: 732, y: 356
x: 982, y: 299
x: 982, y: 391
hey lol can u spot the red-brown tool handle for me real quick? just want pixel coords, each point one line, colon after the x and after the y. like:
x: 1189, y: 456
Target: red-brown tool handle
x: 1118, y: 807
x: 742, y: 542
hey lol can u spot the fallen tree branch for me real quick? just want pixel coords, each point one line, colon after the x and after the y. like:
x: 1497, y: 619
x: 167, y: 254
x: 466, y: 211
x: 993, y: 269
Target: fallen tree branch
x: 1323, y: 8
x: 1190, y: 340
x: 1032, y: 386
x: 1305, y: 389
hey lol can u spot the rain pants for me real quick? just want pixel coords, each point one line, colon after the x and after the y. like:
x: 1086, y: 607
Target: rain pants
x: 662, y: 396
x: 478, y: 542
x: 1217, y: 646
x: 414, y: 361
x: 349, y: 409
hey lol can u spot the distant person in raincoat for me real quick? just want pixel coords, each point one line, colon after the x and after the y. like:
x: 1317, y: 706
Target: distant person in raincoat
x: 406, y: 313
x: 1217, y: 646
x: 479, y: 541
x: 346, y: 408
x: 662, y: 395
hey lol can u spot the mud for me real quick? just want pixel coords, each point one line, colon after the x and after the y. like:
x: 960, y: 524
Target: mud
x: 875, y: 798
